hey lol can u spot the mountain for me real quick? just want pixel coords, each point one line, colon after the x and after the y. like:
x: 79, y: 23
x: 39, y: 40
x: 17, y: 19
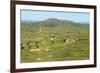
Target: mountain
x: 53, y: 22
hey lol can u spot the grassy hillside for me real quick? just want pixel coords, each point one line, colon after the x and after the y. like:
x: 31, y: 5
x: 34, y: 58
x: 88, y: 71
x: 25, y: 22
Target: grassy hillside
x: 54, y: 40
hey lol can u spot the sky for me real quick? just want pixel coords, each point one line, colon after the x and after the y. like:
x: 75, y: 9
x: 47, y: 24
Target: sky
x: 33, y: 15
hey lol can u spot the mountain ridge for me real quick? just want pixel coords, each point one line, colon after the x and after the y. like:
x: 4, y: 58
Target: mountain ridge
x: 52, y: 22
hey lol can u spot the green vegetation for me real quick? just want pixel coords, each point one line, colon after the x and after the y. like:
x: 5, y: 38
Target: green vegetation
x: 54, y: 40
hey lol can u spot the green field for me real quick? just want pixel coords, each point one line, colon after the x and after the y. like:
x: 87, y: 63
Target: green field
x: 54, y: 40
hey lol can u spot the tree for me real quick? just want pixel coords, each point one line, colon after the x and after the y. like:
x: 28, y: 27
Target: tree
x: 37, y: 44
x: 22, y: 46
x: 29, y: 44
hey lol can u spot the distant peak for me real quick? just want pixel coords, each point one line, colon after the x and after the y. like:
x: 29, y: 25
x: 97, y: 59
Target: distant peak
x: 52, y: 19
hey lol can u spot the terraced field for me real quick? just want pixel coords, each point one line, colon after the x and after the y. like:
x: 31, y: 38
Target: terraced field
x: 54, y: 40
